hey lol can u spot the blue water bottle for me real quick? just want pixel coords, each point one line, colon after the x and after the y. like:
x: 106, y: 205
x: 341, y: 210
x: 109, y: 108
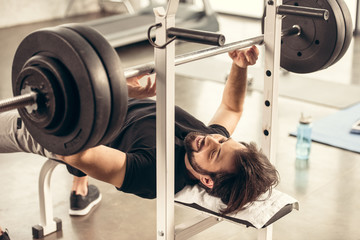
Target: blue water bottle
x: 303, y: 144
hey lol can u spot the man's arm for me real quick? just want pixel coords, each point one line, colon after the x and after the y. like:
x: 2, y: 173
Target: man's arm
x: 231, y: 107
x: 105, y: 163
x: 136, y: 90
x: 101, y: 162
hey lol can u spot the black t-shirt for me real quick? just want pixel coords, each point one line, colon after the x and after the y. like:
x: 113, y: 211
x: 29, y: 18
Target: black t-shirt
x: 138, y: 140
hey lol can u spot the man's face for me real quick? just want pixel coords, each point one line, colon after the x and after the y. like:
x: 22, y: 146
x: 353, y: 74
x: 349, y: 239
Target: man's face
x: 210, y: 153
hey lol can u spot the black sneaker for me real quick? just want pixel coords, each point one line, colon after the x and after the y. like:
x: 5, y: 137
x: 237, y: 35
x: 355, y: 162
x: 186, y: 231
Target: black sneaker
x: 5, y: 235
x: 80, y: 205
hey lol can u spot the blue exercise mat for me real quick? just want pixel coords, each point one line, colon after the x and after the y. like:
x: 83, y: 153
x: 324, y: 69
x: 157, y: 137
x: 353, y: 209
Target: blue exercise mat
x: 334, y: 130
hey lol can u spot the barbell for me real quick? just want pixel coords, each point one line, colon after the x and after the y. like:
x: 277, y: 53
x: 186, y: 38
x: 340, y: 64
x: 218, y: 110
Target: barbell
x: 70, y: 88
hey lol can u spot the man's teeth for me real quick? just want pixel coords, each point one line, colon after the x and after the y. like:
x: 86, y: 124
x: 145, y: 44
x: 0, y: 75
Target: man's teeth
x: 199, y: 143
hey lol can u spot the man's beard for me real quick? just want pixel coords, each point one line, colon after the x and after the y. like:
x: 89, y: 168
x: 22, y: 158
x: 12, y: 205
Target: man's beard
x: 188, y: 143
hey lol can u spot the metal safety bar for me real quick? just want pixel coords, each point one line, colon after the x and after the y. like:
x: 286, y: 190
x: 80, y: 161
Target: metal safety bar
x: 165, y: 117
x: 357, y: 19
x: 272, y: 41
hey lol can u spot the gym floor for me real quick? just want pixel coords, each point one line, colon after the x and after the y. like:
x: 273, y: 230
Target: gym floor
x: 328, y: 190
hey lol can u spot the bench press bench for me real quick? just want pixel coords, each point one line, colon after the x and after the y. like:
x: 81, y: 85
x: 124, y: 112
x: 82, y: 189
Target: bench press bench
x: 260, y: 215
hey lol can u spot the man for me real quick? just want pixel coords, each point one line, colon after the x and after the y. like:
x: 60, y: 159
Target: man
x: 236, y: 172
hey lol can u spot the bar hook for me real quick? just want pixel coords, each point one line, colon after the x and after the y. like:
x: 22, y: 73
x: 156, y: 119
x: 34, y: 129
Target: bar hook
x: 157, y: 25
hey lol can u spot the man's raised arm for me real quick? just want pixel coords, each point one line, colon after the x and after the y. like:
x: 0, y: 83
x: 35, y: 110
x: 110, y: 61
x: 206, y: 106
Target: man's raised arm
x: 231, y: 107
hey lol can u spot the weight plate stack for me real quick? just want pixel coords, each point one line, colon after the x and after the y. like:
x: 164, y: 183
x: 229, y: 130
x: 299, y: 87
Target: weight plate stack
x: 115, y: 74
x: 348, y: 29
x: 98, y: 80
x: 78, y: 89
x: 56, y: 108
x: 320, y: 41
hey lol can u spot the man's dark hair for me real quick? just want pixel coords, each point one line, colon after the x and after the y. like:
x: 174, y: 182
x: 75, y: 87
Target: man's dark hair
x: 253, y: 176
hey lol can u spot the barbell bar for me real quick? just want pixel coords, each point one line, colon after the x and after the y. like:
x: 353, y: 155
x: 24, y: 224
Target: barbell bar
x: 76, y: 80
x: 148, y: 68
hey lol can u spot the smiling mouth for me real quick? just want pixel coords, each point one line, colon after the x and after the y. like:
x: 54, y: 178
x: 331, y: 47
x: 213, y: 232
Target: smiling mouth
x: 200, y: 141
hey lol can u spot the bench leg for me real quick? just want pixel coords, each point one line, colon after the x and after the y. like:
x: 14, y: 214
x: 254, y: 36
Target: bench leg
x: 265, y: 233
x: 48, y: 224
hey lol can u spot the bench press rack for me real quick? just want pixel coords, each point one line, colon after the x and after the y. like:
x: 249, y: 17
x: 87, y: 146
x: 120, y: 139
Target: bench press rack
x: 165, y: 70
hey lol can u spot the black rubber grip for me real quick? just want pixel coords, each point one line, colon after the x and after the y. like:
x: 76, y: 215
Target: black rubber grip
x: 197, y: 36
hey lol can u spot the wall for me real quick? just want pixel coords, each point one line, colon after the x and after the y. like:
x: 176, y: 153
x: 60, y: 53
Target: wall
x: 255, y: 8
x: 15, y: 12
x: 252, y: 8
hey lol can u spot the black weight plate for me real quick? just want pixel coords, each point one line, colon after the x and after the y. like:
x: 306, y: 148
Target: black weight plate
x: 75, y: 54
x: 348, y: 29
x: 64, y: 95
x: 49, y: 102
x: 341, y: 31
x: 117, y: 81
x: 99, y: 82
x: 320, y: 41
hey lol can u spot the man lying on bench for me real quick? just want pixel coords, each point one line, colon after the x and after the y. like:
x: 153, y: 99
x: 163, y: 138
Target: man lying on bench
x: 235, y: 172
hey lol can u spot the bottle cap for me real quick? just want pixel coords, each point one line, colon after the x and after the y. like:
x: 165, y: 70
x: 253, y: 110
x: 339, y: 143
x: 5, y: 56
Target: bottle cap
x: 305, y: 120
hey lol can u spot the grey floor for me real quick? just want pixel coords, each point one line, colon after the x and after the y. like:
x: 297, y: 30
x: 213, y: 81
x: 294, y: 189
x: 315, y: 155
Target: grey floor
x: 328, y: 190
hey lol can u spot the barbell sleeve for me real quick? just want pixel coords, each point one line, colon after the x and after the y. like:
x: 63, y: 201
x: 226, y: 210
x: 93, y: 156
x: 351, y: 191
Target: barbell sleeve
x: 18, y: 101
x: 303, y: 11
x: 295, y: 30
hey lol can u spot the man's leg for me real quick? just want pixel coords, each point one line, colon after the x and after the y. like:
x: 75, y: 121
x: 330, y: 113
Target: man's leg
x: 80, y: 185
x: 83, y: 196
x: 14, y: 137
